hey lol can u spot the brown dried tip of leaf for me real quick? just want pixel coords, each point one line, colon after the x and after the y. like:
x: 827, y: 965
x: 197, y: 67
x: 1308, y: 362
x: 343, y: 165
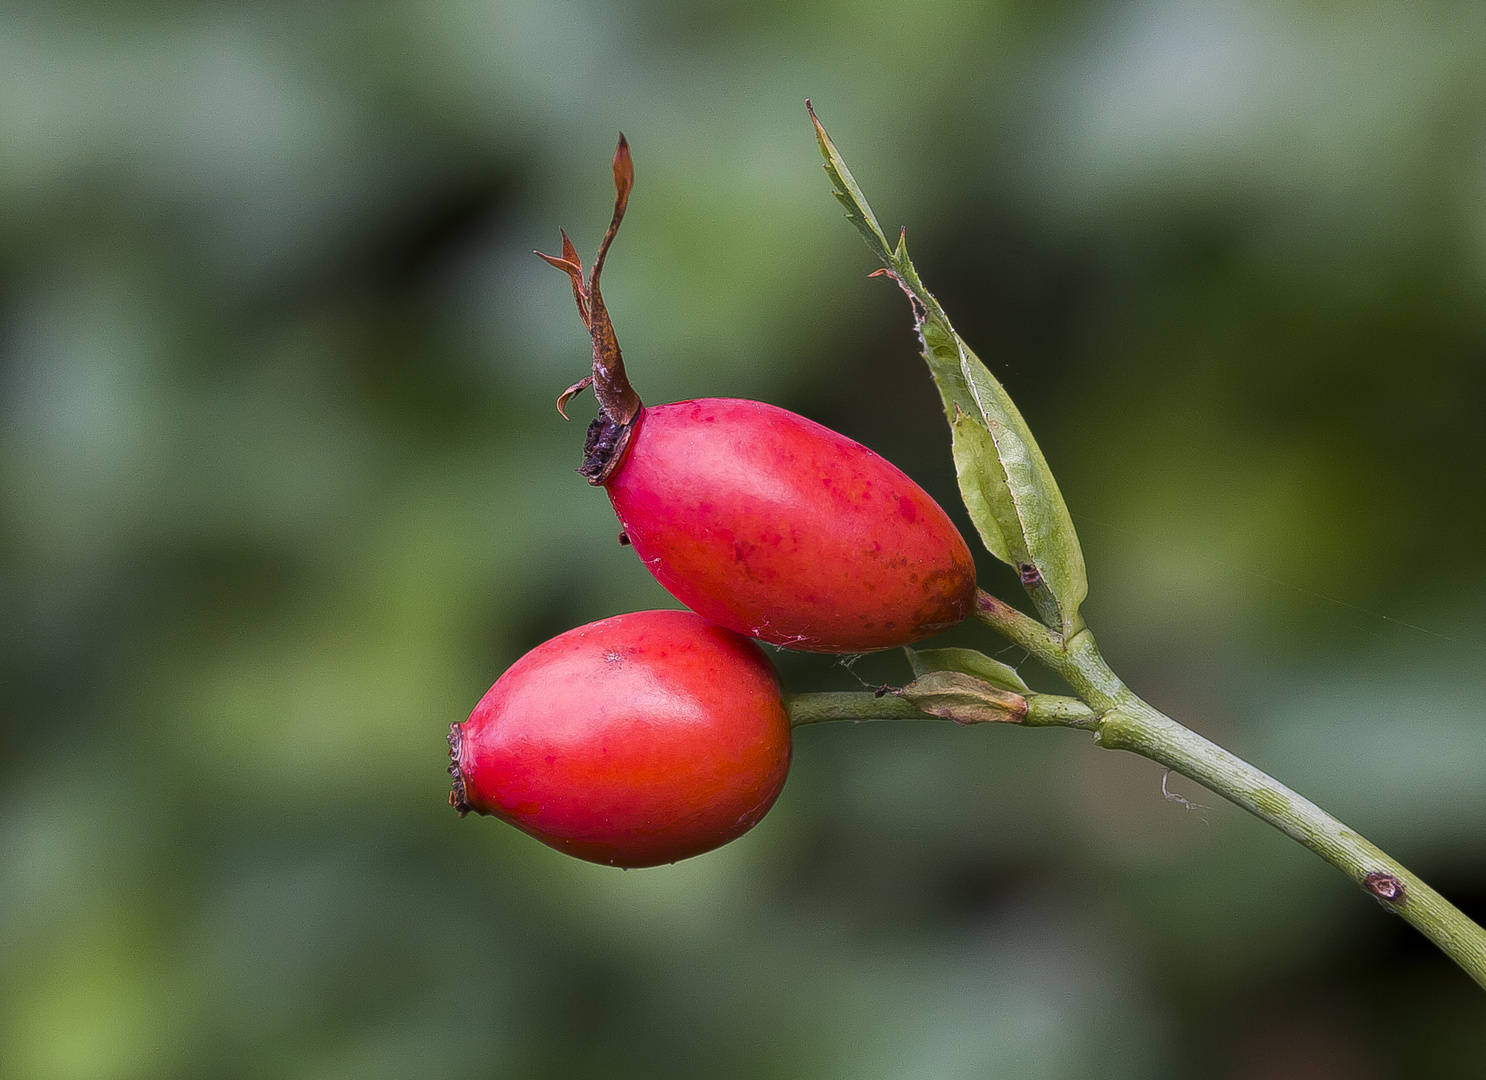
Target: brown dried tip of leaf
x: 820, y: 132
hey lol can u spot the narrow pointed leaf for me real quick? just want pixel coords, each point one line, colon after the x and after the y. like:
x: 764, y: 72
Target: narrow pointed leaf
x: 849, y: 195
x: 1049, y: 558
x: 967, y: 662
x: 983, y: 487
x: 1004, y: 479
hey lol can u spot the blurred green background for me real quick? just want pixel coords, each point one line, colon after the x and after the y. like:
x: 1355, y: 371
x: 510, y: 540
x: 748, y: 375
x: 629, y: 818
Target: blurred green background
x: 282, y: 491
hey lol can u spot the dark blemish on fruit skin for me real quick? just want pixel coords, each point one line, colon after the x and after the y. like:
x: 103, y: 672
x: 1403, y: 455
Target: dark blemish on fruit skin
x: 940, y: 588
x: 906, y: 510
x: 624, y: 540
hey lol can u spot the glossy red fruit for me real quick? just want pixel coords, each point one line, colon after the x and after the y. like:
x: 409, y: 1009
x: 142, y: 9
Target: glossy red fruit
x: 759, y: 519
x: 774, y: 526
x: 634, y: 741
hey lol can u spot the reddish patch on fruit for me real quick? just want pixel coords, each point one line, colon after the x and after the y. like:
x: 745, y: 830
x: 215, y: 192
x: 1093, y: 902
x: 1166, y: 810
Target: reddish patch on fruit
x: 774, y: 526
x: 635, y: 741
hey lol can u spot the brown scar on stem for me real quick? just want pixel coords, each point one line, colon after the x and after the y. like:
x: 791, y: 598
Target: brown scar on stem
x: 1386, y: 887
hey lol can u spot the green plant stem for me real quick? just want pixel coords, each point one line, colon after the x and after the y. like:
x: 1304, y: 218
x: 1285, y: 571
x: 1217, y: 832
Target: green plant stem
x: 1043, y: 710
x: 1125, y: 722
x: 858, y: 706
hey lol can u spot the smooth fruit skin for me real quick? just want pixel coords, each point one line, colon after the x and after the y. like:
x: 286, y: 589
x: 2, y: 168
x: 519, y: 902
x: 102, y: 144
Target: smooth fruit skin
x: 634, y: 741
x: 776, y: 527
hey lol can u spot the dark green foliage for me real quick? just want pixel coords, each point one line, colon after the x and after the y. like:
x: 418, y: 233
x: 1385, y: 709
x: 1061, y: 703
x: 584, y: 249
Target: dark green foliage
x: 282, y: 491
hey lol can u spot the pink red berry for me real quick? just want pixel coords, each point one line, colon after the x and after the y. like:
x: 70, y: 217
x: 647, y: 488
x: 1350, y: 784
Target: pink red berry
x: 759, y: 519
x: 774, y: 526
x: 634, y: 741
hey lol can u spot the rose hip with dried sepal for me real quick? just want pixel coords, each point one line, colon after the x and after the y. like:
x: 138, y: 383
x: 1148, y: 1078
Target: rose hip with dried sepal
x: 763, y: 521
x: 634, y: 741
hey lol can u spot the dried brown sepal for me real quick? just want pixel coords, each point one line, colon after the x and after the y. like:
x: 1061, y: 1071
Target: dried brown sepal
x: 571, y: 392
x: 572, y: 266
x: 610, y: 384
x: 618, y: 402
x: 604, y: 448
x: 458, y: 796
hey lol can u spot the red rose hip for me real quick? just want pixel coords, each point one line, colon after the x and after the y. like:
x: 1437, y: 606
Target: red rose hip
x: 772, y: 525
x: 763, y: 521
x: 634, y: 741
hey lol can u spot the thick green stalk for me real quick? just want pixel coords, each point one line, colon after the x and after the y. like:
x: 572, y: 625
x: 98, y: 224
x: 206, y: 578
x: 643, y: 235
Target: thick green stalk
x: 1128, y: 723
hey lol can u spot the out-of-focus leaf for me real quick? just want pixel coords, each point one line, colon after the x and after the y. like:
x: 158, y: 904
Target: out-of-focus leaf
x: 968, y: 662
x: 964, y: 699
x: 1004, y: 479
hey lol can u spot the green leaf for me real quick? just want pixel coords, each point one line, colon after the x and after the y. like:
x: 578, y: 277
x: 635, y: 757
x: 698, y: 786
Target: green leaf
x: 1047, y: 554
x: 849, y: 195
x: 1004, y: 479
x: 968, y: 662
x: 983, y: 487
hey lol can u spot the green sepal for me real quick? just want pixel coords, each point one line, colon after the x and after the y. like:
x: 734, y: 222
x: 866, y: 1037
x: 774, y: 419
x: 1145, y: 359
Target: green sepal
x: 967, y: 662
x: 1005, y: 481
